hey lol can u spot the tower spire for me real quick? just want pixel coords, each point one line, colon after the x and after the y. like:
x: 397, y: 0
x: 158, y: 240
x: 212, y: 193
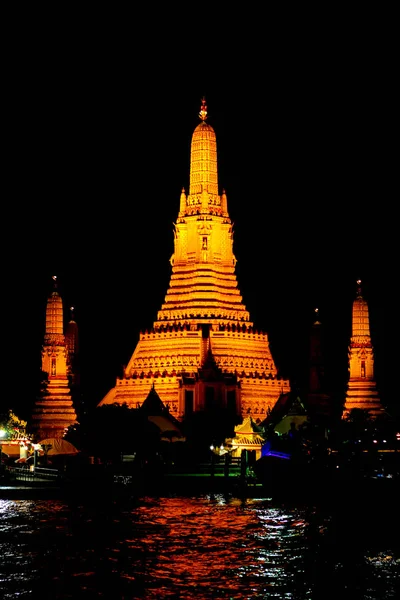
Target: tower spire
x: 54, y: 316
x: 203, y: 110
x: 361, y: 389
x: 53, y: 411
x: 203, y: 187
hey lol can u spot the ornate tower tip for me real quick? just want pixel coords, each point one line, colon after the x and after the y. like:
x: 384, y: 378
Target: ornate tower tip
x: 203, y: 110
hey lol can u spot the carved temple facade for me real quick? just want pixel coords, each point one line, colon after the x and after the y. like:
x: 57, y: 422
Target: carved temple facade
x: 203, y: 352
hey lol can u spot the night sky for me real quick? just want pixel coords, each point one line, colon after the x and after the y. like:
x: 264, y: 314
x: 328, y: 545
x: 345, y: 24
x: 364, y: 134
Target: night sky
x: 98, y: 158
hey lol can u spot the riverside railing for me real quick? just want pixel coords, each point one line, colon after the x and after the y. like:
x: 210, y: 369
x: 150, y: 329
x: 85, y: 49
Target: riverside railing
x: 37, y: 474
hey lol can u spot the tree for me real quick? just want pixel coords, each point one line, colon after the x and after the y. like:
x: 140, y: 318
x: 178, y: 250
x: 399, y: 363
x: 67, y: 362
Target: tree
x: 10, y: 423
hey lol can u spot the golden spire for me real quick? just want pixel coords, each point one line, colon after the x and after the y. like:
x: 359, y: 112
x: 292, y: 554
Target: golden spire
x: 54, y: 313
x: 361, y: 388
x: 203, y: 110
x: 182, y: 205
x: 53, y: 411
x: 203, y: 284
x: 203, y: 168
x: 360, y: 321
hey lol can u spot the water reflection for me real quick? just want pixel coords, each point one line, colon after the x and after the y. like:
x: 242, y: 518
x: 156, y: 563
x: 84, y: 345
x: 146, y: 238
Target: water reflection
x: 208, y: 547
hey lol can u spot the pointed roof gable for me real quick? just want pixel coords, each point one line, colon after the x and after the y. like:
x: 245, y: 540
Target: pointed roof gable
x: 157, y: 413
x: 248, y: 434
x: 248, y: 427
x: 286, y: 405
x: 153, y: 405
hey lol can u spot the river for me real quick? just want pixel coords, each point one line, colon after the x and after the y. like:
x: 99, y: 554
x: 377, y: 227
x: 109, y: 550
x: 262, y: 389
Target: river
x: 203, y: 547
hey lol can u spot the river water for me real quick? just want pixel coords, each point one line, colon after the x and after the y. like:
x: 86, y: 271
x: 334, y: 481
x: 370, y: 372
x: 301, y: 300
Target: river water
x: 204, y: 547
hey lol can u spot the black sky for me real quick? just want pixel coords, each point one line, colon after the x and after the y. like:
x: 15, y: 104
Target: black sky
x: 97, y: 158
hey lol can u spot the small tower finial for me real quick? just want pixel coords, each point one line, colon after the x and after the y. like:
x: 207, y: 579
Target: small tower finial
x: 203, y: 110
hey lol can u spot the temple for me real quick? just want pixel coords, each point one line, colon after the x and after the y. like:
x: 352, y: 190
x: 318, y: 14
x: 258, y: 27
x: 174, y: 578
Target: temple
x: 203, y: 352
x: 53, y: 410
x: 361, y: 390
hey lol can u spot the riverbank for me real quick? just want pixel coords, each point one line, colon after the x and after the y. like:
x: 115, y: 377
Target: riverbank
x: 106, y: 483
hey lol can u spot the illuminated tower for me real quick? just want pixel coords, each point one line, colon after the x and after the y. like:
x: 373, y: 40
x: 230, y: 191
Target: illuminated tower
x: 53, y: 411
x: 203, y: 352
x: 361, y: 388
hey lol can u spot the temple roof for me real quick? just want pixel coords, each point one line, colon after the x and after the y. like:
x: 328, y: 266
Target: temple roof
x: 157, y: 413
x: 153, y: 405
